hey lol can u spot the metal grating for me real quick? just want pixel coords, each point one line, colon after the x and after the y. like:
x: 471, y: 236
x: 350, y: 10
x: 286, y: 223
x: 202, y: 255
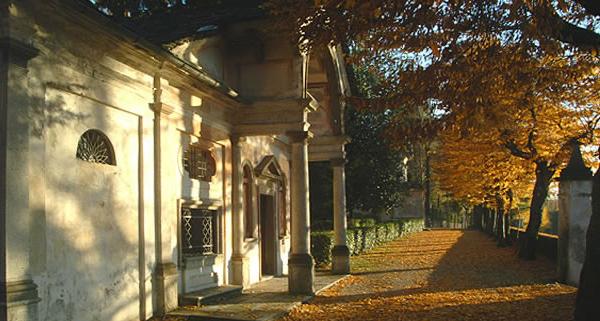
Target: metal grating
x: 95, y: 147
x: 199, y: 163
x: 199, y: 231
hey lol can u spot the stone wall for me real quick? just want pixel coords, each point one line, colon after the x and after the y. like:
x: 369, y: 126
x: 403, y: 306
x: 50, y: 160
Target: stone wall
x: 90, y: 239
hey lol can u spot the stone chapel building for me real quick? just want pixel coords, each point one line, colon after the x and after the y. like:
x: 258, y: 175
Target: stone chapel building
x: 136, y: 168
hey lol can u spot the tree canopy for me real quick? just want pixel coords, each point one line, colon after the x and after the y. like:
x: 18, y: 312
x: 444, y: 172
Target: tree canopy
x: 522, y: 75
x: 518, y: 79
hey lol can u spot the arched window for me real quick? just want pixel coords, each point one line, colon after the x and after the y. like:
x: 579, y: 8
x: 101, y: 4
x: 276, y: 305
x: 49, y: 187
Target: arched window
x: 95, y: 147
x: 248, y: 206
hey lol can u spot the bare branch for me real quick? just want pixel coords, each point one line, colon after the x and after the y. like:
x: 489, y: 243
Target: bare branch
x: 591, y: 6
x: 556, y: 27
x: 532, y: 133
x: 514, y: 149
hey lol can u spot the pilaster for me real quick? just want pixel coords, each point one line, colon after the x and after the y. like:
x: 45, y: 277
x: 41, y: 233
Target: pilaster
x: 166, y: 276
x: 18, y: 293
x: 165, y: 273
x: 239, y: 262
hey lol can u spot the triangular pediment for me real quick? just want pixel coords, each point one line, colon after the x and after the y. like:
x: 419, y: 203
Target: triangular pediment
x: 269, y: 168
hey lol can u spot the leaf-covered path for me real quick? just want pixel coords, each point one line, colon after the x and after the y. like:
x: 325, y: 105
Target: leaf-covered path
x: 443, y: 275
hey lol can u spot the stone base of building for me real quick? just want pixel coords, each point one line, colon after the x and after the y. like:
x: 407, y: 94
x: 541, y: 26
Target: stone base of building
x: 240, y: 271
x: 18, y: 301
x: 166, y: 285
x: 340, y: 259
x: 301, y: 274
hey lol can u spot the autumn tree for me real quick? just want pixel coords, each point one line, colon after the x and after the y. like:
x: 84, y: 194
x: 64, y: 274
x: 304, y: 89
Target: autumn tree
x: 533, y: 112
x: 417, y: 42
x: 473, y: 167
x: 444, y: 32
x: 172, y: 10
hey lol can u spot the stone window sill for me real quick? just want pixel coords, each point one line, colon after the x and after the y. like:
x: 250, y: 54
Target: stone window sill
x: 200, y: 256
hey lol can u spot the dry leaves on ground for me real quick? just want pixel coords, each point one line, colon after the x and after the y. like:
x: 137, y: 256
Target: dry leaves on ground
x: 443, y: 275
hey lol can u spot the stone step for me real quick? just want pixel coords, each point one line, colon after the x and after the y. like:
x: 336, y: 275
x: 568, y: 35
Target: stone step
x: 211, y: 295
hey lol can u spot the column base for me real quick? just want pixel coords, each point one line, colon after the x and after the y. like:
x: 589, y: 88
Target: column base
x: 301, y: 274
x: 340, y: 259
x: 240, y: 271
x: 166, y: 287
x: 18, y: 300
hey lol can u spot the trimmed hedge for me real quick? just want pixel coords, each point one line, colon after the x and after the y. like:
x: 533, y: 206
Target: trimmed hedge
x: 361, y: 239
x: 327, y: 225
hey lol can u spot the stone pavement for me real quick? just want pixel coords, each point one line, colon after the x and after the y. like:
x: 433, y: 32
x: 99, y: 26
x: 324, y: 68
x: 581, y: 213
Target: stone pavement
x: 267, y: 300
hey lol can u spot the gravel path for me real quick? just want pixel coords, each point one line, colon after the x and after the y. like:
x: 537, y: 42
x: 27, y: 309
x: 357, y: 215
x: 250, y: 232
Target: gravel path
x: 443, y: 275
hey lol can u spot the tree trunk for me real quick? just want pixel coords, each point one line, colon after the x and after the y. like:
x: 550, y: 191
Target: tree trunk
x: 543, y: 176
x: 588, y: 294
x: 500, y: 236
x: 428, y: 214
x: 507, y: 213
x: 490, y: 225
x: 476, y: 217
x: 493, y: 222
x: 484, y: 221
x: 483, y: 218
x: 507, y: 237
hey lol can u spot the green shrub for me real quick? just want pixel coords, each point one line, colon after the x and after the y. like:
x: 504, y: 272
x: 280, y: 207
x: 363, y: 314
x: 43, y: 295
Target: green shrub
x: 362, y: 238
x: 361, y: 222
x: 321, y: 243
x: 352, y: 240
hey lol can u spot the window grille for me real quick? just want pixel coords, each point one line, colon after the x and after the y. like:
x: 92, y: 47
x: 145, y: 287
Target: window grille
x: 200, y: 231
x: 95, y: 147
x: 199, y: 163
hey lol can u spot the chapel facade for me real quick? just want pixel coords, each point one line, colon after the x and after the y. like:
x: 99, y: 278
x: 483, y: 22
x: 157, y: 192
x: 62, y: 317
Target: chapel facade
x: 136, y: 168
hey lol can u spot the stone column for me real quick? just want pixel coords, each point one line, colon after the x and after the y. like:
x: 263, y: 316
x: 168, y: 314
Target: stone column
x: 239, y: 262
x: 575, y: 211
x: 340, y: 253
x: 301, y: 264
x: 18, y: 292
x: 165, y: 273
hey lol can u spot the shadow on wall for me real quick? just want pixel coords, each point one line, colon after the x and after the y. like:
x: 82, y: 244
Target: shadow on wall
x: 84, y: 225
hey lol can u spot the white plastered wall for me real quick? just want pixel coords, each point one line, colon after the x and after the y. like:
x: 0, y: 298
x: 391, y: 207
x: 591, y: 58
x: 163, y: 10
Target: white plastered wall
x: 89, y: 218
x: 88, y: 215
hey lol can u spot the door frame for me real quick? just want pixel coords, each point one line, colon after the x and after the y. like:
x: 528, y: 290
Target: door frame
x: 269, y: 179
x: 272, y: 240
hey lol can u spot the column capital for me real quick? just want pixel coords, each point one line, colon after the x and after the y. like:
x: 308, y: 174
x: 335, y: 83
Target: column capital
x: 299, y: 136
x: 237, y: 139
x: 162, y: 108
x: 19, y: 52
x: 337, y: 162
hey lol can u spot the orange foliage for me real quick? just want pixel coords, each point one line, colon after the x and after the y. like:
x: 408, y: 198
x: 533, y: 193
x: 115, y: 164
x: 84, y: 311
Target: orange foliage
x: 443, y: 275
x: 475, y: 168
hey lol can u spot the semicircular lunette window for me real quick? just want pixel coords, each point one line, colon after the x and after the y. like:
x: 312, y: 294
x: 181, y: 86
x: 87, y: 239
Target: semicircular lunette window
x: 95, y: 147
